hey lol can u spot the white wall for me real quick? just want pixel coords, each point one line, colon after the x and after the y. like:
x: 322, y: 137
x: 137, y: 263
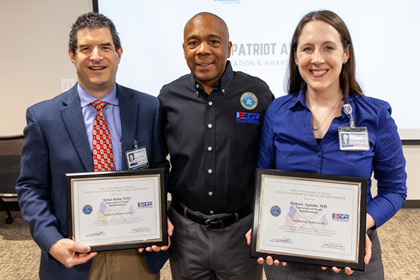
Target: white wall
x: 412, y: 155
x: 34, y: 60
x: 34, y: 37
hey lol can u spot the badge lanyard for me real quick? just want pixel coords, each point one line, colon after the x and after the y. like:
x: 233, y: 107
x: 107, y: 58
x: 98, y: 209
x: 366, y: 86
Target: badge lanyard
x: 352, y: 138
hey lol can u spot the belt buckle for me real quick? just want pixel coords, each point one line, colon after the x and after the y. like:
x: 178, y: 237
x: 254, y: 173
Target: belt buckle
x: 212, y: 223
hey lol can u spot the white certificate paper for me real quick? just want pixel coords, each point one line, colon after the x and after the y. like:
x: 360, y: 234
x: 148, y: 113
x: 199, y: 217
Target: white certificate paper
x: 117, y: 210
x: 309, y: 218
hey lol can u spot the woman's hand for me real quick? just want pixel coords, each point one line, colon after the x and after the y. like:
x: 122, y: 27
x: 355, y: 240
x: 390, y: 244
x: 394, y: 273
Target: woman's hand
x: 269, y: 260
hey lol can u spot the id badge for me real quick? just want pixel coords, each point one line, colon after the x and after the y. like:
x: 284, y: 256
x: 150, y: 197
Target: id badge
x: 137, y: 158
x: 353, y: 138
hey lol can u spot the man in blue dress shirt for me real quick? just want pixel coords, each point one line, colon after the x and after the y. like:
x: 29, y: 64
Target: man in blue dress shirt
x: 59, y: 141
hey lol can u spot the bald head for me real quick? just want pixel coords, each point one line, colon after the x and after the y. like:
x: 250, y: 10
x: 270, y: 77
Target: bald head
x: 202, y: 17
x: 206, y: 48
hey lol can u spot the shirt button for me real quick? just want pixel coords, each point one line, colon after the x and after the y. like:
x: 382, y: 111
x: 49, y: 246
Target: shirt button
x: 210, y: 193
x: 210, y: 171
x: 197, y: 86
x: 210, y: 103
x: 211, y: 212
x: 223, y: 90
x: 210, y: 149
x: 210, y: 125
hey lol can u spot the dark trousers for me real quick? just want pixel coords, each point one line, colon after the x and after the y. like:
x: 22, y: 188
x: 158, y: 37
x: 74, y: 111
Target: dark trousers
x: 200, y: 253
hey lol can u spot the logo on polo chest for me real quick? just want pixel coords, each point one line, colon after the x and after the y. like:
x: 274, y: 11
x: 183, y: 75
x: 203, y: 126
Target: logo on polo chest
x: 249, y: 101
x: 244, y: 117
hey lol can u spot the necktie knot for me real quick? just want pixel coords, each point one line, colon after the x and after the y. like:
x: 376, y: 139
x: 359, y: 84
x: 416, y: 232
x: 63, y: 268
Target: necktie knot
x: 98, y: 104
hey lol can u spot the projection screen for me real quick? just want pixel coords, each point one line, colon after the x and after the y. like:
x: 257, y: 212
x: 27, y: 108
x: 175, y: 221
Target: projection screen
x: 384, y: 33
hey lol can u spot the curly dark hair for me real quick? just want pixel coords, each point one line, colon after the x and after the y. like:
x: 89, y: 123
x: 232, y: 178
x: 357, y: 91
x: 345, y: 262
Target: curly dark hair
x: 92, y: 20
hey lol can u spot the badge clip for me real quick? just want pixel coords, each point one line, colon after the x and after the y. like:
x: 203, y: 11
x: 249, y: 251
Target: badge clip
x: 348, y: 110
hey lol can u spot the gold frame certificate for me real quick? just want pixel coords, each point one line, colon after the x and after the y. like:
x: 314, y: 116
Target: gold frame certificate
x: 310, y: 218
x: 117, y: 210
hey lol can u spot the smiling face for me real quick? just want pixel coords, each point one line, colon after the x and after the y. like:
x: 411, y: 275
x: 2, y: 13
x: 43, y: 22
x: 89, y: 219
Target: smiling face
x: 206, y: 48
x: 320, y: 56
x: 96, y: 61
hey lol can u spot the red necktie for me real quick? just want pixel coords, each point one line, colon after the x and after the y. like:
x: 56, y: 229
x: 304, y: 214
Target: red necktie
x: 103, y: 159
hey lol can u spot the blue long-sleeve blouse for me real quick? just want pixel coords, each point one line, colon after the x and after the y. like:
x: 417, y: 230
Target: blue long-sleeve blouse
x: 288, y: 143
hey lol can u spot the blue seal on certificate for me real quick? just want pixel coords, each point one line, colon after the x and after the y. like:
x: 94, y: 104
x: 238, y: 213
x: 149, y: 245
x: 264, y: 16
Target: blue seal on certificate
x: 87, y: 209
x: 275, y: 211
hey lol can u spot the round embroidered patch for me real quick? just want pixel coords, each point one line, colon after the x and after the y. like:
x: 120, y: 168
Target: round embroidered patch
x: 249, y: 101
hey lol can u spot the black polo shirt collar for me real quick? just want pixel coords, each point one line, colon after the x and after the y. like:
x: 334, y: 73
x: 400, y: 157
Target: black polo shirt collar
x: 220, y: 86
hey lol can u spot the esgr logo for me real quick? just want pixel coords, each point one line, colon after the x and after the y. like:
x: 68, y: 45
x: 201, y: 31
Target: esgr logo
x: 147, y: 204
x: 341, y: 217
x: 243, y: 117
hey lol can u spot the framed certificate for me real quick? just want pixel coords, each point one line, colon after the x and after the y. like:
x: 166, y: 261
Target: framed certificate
x: 117, y: 210
x: 310, y: 218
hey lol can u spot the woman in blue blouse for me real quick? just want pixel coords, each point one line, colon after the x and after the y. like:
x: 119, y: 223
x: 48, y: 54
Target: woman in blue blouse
x: 312, y: 130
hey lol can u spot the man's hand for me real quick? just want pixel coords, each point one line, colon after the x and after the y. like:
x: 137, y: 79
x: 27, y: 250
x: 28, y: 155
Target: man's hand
x: 248, y: 237
x: 155, y: 248
x: 70, y: 253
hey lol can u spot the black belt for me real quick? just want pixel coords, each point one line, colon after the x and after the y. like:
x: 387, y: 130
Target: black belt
x: 211, y: 223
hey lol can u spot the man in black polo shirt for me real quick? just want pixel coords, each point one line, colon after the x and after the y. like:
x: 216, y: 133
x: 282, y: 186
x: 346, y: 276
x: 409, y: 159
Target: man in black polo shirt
x: 212, y: 121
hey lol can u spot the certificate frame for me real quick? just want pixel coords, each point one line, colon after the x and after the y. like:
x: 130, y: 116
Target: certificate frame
x: 281, y: 227
x: 119, y: 200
